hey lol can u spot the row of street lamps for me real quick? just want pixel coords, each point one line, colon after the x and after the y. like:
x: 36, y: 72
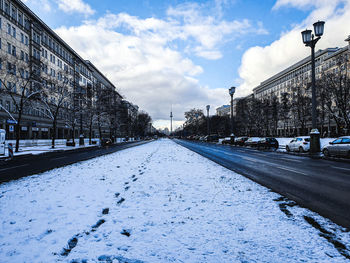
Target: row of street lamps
x: 310, y: 41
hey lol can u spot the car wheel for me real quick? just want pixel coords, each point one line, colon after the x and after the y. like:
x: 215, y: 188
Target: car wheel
x: 287, y: 148
x: 326, y: 152
x: 301, y: 150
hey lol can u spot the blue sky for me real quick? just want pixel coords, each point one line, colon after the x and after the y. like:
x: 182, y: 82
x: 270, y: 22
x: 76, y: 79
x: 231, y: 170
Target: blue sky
x: 188, y: 53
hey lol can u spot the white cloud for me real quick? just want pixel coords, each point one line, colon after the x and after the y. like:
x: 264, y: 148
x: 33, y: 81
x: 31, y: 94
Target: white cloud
x: 209, y: 32
x: 259, y: 63
x: 141, y: 56
x: 75, y: 6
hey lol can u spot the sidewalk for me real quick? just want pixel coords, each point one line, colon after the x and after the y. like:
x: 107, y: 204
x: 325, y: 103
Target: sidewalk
x: 42, y: 146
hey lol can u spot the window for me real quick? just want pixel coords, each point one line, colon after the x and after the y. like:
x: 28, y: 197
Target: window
x: 8, y: 29
x: 11, y: 69
x: 14, y: 32
x: 22, y: 55
x: 7, y: 8
x: 14, y: 13
x: 26, y: 40
x: 8, y: 105
x: 13, y: 51
x: 22, y: 38
x: 337, y: 141
x: 9, y: 48
x: 27, y: 57
x: 20, y: 18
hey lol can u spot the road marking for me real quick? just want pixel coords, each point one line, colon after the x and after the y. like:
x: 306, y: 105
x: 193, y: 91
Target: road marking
x: 290, y: 170
x: 14, y: 167
x: 58, y: 158
x: 341, y: 168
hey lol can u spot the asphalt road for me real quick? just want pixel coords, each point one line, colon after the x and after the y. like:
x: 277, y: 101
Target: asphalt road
x: 33, y: 164
x: 321, y: 185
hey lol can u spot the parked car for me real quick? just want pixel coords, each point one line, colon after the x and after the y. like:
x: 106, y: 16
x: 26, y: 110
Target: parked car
x: 228, y: 140
x: 338, y: 147
x: 252, y: 141
x: 299, y: 144
x: 211, y: 138
x: 106, y: 142
x: 240, y: 141
x: 268, y: 143
x: 70, y: 142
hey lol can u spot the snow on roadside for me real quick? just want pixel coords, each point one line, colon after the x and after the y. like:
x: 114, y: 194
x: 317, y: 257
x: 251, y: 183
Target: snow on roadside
x: 157, y: 202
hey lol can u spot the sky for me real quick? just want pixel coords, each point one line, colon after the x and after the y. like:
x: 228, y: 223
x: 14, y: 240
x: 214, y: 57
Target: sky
x: 187, y: 54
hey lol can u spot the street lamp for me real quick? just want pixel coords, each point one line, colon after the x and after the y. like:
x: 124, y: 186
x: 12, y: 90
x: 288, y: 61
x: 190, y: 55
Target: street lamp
x: 208, y: 127
x: 232, y: 91
x: 310, y: 41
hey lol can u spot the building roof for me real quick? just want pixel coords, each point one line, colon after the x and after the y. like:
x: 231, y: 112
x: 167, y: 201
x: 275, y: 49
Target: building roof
x: 48, y: 29
x: 295, y: 66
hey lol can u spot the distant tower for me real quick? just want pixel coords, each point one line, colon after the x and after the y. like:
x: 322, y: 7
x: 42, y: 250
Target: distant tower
x: 171, y: 120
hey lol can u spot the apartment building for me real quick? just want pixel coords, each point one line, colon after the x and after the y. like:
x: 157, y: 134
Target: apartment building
x: 43, y: 78
x: 223, y: 110
x: 299, y: 75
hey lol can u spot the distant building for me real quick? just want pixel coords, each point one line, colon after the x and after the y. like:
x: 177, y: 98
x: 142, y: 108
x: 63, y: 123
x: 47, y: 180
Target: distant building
x: 165, y: 131
x: 223, y: 110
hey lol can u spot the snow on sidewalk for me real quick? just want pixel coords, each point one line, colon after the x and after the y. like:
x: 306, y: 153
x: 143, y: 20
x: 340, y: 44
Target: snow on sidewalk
x: 158, y: 202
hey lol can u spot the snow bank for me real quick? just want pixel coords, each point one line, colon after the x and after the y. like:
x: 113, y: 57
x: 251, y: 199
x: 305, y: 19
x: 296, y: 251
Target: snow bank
x: 157, y: 202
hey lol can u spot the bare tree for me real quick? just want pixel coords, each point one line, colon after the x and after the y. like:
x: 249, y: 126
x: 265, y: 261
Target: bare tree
x: 335, y: 91
x: 194, y: 118
x: 284, y: 111
x: 301, y: 107
x: 55, y: 95
x: 20, y: 85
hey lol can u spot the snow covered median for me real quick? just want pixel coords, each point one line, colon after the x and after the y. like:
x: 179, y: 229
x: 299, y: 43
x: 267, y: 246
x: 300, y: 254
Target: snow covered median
x: 158, y: 202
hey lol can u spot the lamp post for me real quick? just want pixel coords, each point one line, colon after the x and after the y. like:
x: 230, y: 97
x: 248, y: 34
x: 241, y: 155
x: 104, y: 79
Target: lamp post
x: 171, y: 122
x: 310, y: 41
x: 231, y: 92
x: 208, y: 125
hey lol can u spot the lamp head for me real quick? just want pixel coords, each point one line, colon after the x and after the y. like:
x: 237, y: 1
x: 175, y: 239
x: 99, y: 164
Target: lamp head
x: 318, y: 28
x: 232, y: 90
x: 306, y: 34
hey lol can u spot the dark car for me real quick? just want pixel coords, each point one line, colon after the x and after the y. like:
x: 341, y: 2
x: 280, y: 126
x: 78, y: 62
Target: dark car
x: 211, y: 138
x: 70, y: 142
x: 240, y: 141
x: 106, y: 142
x: 338, y: 147
x: 268, y: 143
x: 252, y: 141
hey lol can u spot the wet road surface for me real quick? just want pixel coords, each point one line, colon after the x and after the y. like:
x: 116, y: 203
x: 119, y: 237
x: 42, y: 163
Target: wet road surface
x: 321, y: 185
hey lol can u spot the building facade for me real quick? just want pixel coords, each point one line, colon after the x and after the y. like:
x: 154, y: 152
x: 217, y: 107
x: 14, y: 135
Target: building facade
x: 45, y: 84
x: 223, y: 110
x: 295, y: 82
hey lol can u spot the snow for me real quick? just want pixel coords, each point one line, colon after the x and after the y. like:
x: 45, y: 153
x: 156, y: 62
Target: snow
x: 42, y: 146
x: 157, y: 202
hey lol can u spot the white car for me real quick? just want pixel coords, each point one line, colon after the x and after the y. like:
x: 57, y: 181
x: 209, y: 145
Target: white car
x: 338, y: 147
x: 299, y: 144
